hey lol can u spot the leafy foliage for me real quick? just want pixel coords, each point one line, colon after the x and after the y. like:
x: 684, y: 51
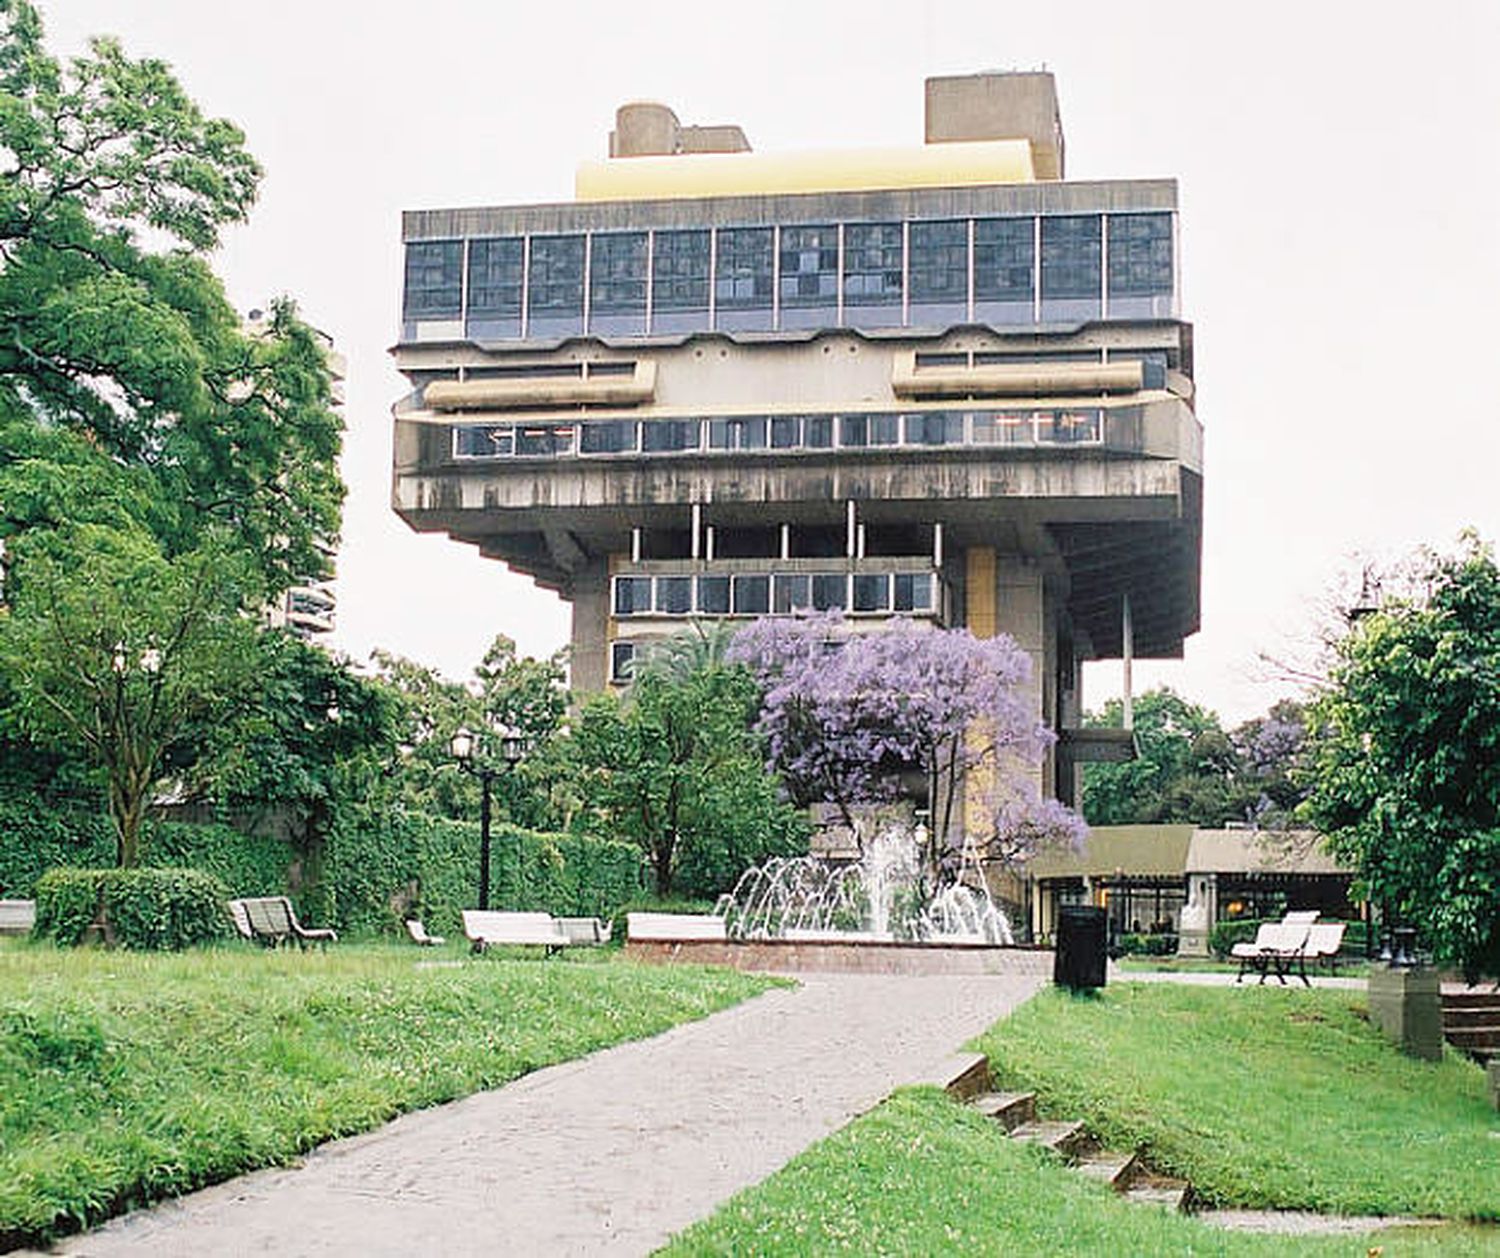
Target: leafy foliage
x: 1190, y: 771
x: 845, y: 715
x: 119, y: 652
x: 152, y: 909
x: 154, y: 399
x: 1405, y: 771
x: 674, y: 767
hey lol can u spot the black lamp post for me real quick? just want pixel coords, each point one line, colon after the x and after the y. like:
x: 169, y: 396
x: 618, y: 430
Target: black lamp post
x: 512, y: 748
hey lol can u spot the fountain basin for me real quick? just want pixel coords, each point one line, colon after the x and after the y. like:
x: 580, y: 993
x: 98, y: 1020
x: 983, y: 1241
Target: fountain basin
x: 845, y: 955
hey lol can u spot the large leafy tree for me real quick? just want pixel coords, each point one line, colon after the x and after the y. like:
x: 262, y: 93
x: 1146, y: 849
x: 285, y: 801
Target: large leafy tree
x: 675, y: 766
x: 848, y: 715
x: 116, y: 336
x: 1404, y: 768
x: 122, y: 654
x: 1190, y: 771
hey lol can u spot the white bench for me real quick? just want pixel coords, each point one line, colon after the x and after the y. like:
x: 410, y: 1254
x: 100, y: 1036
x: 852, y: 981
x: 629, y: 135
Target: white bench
x: 674, y: 926
x: 487, y: 928
x: 585, y: 930
x: 17, y: 917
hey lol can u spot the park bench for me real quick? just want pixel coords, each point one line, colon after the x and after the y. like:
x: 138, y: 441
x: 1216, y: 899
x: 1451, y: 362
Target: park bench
x: 272, y: 921
x: 17, y: 917
x: 1278, y: 947
x: 419, y: 934
x: 585, y: 930
x: 1324, y: 940
x: 487, y: 928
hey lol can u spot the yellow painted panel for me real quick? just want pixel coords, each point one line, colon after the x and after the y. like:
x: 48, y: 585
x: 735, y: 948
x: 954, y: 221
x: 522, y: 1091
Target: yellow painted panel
x: 979, y: 588
x: 764, y: 174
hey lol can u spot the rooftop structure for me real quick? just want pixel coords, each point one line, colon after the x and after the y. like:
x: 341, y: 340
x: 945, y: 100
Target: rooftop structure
x: 943, y: 383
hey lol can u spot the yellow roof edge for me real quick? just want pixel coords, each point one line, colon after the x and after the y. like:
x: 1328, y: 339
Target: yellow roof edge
x: 688, y: 175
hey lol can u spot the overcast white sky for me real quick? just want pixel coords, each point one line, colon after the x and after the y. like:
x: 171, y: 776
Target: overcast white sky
x: 1340, y: 196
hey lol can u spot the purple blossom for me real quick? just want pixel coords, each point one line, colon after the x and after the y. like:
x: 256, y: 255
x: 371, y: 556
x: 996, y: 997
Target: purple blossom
x: 847, y: 712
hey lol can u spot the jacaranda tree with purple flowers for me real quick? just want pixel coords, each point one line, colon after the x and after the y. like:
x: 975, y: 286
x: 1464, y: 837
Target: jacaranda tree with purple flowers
x: 848, y: 715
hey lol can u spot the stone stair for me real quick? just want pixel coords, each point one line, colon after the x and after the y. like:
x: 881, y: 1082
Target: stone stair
x: 1471, y: 1020
x: 967, y: 1078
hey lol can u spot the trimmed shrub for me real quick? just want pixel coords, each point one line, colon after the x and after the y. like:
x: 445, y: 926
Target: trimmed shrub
x: 1148, y: 945
x: 149, y: 909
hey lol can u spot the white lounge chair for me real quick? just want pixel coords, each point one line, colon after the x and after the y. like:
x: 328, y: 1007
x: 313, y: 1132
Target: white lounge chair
x: 1277, y: 947
x: 419, y: 934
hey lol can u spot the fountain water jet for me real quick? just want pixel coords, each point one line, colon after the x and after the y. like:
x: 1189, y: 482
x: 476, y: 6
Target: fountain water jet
x: 878, y: 899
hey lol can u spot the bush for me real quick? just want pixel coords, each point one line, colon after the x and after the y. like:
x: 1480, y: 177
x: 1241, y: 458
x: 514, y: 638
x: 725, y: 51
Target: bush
x: 1148, y: 945
x: 150, y: 909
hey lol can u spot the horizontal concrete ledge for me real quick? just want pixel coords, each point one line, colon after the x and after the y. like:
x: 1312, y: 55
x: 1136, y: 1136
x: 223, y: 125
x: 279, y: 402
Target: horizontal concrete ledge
x: 808, y: 956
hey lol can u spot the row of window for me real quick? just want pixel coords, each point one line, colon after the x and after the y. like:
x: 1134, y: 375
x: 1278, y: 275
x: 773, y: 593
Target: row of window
x: 775, y: 594
x: 602, y: 437
x: 1047, y: 268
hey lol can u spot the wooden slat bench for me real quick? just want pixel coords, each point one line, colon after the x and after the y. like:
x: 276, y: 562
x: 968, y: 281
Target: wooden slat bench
x: 487, y: 928
x: 272, y: 921
x: 17, y: 917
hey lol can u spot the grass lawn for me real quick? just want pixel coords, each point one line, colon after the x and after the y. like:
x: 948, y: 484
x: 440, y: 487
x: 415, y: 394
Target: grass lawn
x: 129, y: 1077
x: 1263, y: 1098
x: 922, y: 1175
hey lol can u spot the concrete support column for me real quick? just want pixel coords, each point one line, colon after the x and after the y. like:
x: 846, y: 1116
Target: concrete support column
x: 593, y: 630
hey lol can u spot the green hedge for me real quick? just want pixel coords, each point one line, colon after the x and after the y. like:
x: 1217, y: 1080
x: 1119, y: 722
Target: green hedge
x: 151, y: 909
x: 384, y: 866
x: 1136, y: 945
x: 378, y: 864
x: 35, y: 838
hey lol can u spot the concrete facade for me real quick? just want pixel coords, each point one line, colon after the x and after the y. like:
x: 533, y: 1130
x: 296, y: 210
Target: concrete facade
x: 969, y: 403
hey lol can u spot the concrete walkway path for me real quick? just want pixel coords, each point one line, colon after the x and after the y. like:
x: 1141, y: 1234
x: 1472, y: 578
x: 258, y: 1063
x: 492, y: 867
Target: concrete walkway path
x: 610, y: 1154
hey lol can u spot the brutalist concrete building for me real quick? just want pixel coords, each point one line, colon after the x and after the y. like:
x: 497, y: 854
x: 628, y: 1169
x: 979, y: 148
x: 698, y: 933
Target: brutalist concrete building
x: 944, y: 383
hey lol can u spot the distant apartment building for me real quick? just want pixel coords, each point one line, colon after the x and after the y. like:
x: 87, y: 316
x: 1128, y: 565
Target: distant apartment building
x: 308, y: 608
x: 944, y: 383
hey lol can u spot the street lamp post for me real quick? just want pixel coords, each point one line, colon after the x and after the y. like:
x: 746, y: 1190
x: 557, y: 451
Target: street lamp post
x: 463, y: 745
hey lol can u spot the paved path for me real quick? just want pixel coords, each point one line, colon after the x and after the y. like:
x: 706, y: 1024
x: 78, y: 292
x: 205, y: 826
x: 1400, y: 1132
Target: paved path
x: 611, y: 1154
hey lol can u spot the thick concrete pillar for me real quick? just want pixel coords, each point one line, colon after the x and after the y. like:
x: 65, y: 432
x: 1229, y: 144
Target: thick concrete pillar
x: 593, y: 630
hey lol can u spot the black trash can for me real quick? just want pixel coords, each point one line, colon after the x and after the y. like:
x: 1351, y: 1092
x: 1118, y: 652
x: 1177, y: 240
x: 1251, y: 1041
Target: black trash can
x: 1081, y: 936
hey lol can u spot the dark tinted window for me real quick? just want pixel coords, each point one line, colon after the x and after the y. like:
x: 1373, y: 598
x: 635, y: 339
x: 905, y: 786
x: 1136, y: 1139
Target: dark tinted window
x: 743, y: 279
x: 495, y: 277
x: 611, y: 436
x: 679, y: 280
x: 1004, y: 251
x: 632, y: 595
x: 674, y: 595
x: 1071, y: 257
x: 660, y: 435
x: 809, y: 276
x: 713, y: 596
x: 555, y: 285
x: 752, y: 595
x: 434, y: 280
x: 872, y: 264
x: 939, y: 263
x: 617, y: 282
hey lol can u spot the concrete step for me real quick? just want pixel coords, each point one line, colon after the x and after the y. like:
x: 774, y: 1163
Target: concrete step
x: 1160, y: 1190
x: 1069, y: 1139
x: 1470, y: 1016
x: 1475, y: 998
x: 1471, y: 1038
x: 1013, y: 1109
x: 963, y: 1076
x: 1118, y: 1170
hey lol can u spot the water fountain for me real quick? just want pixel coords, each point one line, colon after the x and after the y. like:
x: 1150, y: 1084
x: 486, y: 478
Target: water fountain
x: 878, y: 899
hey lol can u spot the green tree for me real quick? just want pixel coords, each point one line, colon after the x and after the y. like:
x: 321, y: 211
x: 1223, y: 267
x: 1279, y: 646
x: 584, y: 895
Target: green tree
x: 115, y: 651
x: 1404, y: 767
x: 157, y: 403
x: 310, y: 737
x: 674, y: 766
x: 1183, y: 773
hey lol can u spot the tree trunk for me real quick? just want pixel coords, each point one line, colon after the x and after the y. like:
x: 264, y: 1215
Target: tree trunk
x: 661, y: 862
x: 126, y: 805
